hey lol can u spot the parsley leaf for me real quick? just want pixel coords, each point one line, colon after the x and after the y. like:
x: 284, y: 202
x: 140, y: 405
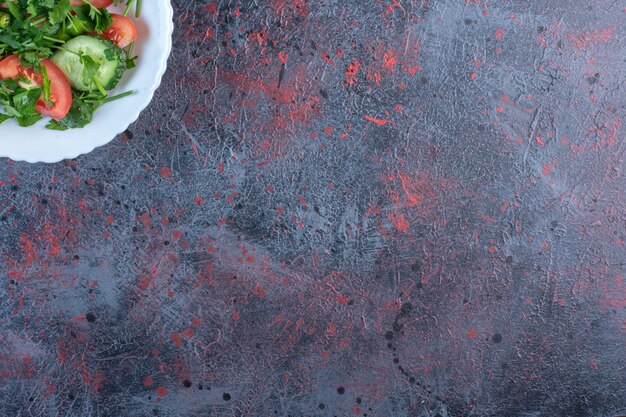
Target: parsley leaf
x: 90, y: 68
x: 46, y: 84
x: 59, y: 12
x: 80, y: 114
x: 4, y: 117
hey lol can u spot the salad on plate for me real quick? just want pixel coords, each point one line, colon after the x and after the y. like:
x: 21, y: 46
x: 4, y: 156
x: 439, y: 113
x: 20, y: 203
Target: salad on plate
x: 60, y: 58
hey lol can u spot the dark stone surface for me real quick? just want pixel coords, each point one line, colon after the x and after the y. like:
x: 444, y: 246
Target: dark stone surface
x: 335, y: 208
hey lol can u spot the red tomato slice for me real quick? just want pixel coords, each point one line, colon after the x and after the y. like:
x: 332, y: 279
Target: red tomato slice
x: 60, y: 93
x: 98, y: 3
x: 10, y: 67
x: 122, y: 31
x: 60, y: 90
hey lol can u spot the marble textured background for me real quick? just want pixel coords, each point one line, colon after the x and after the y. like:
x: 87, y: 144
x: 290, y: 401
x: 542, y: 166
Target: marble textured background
x: 336, y: 208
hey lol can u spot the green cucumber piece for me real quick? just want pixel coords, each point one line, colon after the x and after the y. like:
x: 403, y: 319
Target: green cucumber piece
x: 5, y: 19
x: 71, y: 28
x: 84, y: 58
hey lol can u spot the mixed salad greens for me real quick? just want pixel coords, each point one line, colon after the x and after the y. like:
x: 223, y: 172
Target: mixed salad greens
x: 59, y: 59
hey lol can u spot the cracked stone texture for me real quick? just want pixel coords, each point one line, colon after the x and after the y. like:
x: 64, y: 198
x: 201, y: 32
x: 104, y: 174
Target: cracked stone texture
x: 335, y: 208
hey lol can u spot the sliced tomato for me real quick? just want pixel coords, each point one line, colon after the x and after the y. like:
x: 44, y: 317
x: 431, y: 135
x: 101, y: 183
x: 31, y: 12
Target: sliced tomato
x: 60, y: 93
x: 98, y: 3
x: 10, y: 67
x: 122, y: 31
x: 60, y: 90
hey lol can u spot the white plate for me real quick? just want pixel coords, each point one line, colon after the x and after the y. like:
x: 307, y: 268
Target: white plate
x: 38, y: 144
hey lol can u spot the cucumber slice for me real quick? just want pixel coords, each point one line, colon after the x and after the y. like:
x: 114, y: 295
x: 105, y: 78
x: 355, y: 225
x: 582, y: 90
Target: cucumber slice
x: 5, y: 19
x: 87, y: 57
